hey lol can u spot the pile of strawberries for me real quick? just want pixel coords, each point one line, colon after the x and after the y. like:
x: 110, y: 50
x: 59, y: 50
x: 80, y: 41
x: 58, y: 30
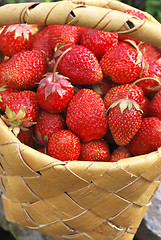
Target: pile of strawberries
x: 80, y: 94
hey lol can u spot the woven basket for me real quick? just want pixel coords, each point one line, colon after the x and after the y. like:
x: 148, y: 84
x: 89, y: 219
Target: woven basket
x: 77, y: 200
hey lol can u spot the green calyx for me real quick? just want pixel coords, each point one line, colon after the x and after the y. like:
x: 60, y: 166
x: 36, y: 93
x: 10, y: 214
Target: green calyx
x: 126, y: 103
x: 15, y: 121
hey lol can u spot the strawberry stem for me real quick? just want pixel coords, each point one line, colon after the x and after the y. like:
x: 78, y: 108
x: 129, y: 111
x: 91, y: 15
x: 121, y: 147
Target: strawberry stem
x: 57, y: 62
x: 139, y: 80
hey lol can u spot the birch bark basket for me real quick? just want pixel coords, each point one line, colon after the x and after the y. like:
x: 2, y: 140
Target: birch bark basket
x: 75, y: 199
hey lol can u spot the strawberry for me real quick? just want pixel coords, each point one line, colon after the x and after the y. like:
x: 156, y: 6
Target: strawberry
x: 5, y: 95
x: 137, y: 14
x: 27, y: 137
x: 119, y: 153
x: 120, y: 92
x: 124, y: 120
x: 47, y: 124
x: 150, y: 53
x: 151, y: 71
x: 80, y: 65
x: 103, y: 86
x: 54, y: 91
x: 15, y: 38
x: 87, y: 116
x: 22, y: 111
x: 154, y: 109
x: 23, y: 71
x: 145, y: 106
x: 148, y: 138
x: 64, y: 145
x: 43, y: 46
x: 95, y: 150
x: 64, y: 34
x: 98, y: 41
x: 122, y: 63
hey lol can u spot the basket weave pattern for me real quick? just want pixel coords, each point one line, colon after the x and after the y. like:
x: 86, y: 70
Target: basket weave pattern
x: 77, y: 200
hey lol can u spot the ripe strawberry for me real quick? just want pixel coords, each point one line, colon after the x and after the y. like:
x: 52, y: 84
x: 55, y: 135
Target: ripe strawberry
x: 23, y: 71
x: 124, y: 120
x: 154, y: 109
x: 120, y: 153
x: 54, y: 91
x: 120, y: 92
x: 98, y: 41
x: 95, y: 150
x: 80, y: 65
x: 138, y: 14
x: 15, y: 38
x: 87, y: 116
x: 151, y: 71
x: 47, y: 124
x: 64, y: 34
x: 64, y: 145
x: 148, y: 138
x: 103, y: 86
x: 5, y: 95
x: 144, y: 106
x: 22, y: 111
x: 150, y: 53
x: 122, y: 63
x: 27, y: 137
x: 43, y: 46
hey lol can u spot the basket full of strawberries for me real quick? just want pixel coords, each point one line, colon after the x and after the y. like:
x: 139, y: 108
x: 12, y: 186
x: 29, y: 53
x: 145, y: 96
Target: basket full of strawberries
x: 80, y: 126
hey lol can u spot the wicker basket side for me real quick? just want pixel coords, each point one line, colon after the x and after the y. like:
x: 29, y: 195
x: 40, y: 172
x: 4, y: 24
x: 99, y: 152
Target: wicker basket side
x: 75, y: 200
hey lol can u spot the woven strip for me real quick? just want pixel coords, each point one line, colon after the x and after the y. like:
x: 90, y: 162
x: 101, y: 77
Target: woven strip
x: 75, y: 200
x: 81, y: 14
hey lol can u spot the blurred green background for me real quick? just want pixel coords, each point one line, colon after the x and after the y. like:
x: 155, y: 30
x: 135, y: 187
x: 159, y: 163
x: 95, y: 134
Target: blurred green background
x: 153, y: 7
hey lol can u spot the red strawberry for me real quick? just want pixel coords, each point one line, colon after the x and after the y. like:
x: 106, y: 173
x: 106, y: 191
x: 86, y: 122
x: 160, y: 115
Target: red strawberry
x: 120, y: 92
x: 5, y: 95
x: 27, y: 137
x: 154, y: 109
x: 103, y: 86
x: 80, y: 65
x: 98, y: 41
x: 95, y: 150
x: 64, y: 34
x: 64, y: 145
x: 87, y: 116
x: 138, y: 14
x: 22, y: 110
x: 151, y: 71
x: 120, y: 153
x: 23, y: 71
x: 144, y: 106
x: 54, y: 91
x: 47, y: 124
x: 43, y: 46
x: 150, y: 53
x: 148, y: 138
x: 122, y: 63
x: 15, y: 38
x: 124, y: 120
